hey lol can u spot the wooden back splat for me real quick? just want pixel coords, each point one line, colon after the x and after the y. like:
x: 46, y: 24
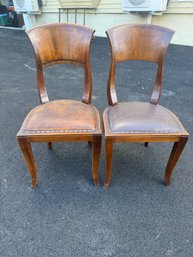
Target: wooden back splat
x: 59, y: 43
x: 138, y: 42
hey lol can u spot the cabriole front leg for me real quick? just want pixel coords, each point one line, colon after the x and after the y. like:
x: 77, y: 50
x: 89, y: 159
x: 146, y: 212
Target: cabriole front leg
x: 174, y: 156
x: 29, y: 158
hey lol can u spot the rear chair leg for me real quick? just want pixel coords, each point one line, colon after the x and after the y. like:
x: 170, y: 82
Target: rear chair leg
x: 50, y: 145
x: 108, y: 160
x: 146, y: 144
x: 95, y: 158
x: 174, y: 156
x: 90, y: 143
x: 29, y: 159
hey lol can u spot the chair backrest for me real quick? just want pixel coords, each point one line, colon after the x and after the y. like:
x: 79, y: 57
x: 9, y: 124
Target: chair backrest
x: 138, y: 42
x: 62, y: 43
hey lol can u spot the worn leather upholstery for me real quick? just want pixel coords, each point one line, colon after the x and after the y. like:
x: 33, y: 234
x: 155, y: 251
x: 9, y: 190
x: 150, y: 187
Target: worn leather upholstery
x: 61, y: 116
x: 141, y: 117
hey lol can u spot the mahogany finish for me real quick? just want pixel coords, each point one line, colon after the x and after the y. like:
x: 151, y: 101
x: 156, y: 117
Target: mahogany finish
x: 140, y: 121
x: 61, y: 120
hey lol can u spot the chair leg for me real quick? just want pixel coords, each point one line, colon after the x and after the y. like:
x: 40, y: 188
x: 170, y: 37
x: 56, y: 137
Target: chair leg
x: 29, y: 159
x: 108, y: 160
x: 90, y: 143
x: 49, y: 145
x: 174, y: 156
x: 146, y: 144
x: 95, y: 159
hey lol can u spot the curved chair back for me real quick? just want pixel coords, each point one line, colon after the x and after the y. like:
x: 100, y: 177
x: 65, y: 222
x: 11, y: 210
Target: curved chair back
x: 138, y: 42
x: 62, y: 43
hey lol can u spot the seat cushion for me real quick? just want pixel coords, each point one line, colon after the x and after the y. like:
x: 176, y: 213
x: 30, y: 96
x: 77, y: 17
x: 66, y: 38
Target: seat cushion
x: 140, y: 117
x: 61, y: 116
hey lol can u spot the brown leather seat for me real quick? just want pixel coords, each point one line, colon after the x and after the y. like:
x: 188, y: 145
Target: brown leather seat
x: 61, y: 120
x: 141, y: 117
x: 139, y: 121
x: 61, y: 116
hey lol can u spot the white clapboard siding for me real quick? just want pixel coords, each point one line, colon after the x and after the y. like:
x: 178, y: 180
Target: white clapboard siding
x: 175, y: 6
x: 80, y: 3
x: 103, y: 6
x: 53, y: 5
x: 110, y: 6
x: 113, y: 6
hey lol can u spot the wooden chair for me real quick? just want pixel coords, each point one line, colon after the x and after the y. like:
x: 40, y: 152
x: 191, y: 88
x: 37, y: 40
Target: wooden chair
x: 61, y: 120
x: 140, y: 121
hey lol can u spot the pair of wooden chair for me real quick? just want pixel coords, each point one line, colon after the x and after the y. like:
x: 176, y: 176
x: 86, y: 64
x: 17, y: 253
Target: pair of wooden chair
x: 69, y: 120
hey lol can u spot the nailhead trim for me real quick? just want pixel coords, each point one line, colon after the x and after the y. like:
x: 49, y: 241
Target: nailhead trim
x: 143, y: 132
x: 59, y: 131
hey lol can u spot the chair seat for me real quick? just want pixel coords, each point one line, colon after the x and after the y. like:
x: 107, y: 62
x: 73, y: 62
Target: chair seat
x: 141, y: 117
x: 61, y: 116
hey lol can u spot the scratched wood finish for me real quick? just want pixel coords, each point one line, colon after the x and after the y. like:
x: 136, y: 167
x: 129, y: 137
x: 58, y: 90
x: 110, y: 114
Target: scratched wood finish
x: 61, y: 120
x: 147, y: 122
